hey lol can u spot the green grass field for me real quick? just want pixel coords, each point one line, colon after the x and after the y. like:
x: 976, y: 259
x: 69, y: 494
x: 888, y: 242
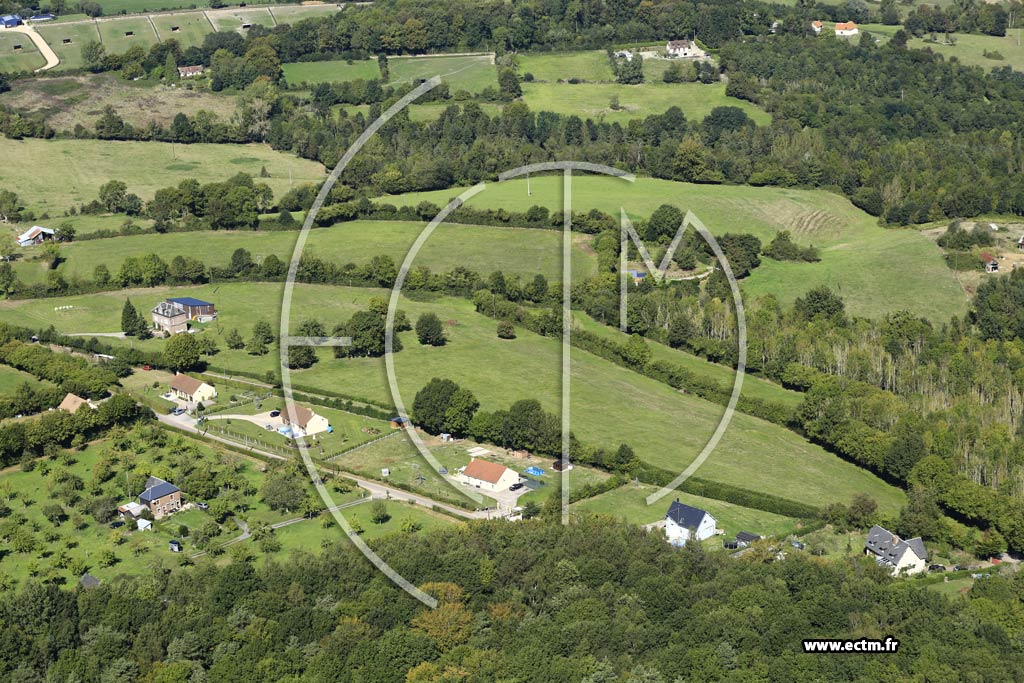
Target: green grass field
x: 610, y: 404
x: 290, y: 14
x: 515, y: 251
x: 111, y: 7
x: 326, y: 72
x: 593, y: 100
x: 460, y: 72
x: 114, y: 34
x: 70, y: 53
x: 422, y: 112
x: 72, y: 171
x: 235, y: 19
x: 19, y: 53
x: 12, y: 378
x: 753, y: 387
x: 876, y: 270
x: 629, y: 502
x: 188, y: 29
x: 592, y: 66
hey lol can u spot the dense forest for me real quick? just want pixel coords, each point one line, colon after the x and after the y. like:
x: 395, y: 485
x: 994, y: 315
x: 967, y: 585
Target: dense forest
x: 594, y: 601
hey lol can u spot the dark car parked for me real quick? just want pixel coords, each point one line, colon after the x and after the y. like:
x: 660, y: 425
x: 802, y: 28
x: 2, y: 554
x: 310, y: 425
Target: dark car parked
x: 203, y: 506
x: 936, y: 567
x: 516, y: 486
x: 116, y: 524
x: 275, y: 413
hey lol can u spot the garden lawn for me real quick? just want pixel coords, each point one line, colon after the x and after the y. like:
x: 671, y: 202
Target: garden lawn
x: 875, y: 270
x: 12, y: 378
x: 327, y: 72
x: 290, y: 14
x: 52, y: 175
x: 592, y: 66
x: 629, y: 502
x: 461, y: 72
x: 593, y: 100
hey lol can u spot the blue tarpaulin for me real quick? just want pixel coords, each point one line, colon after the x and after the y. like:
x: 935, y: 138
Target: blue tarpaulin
x: 534, y: 471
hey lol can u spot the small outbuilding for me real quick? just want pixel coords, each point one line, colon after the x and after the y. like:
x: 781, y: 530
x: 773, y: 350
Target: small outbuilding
x: 10, y: 20
x: 991, y: 264
x: 143, y: 524
x: 37, y: 234
x: 399, y: 422
x: 175, y: 546
x: 190, y: 71
x: 745, y: 538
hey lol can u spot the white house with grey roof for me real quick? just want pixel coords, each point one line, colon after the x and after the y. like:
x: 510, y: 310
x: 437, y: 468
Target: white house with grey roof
x: 683, y: 522
x: 900, y: 556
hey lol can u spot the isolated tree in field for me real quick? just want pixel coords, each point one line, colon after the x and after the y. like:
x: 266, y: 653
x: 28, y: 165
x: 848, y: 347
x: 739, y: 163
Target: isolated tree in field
x: 207, y: 345
x: 664, y: 222
x: 132, y: 322
x: 305, y: 356
x: 93, y: 53
x: 234, y: 340
x: 181, y: 352
x: 508, y: 85
x: 820, y: 302
x: 506, y: 330
x: 379, y: 512
x: 10, y: 207
x: 264, y: 332
x: 65, y: 232
x: 429, y: 330
x: 112, y: 195
x: 430, y: 405
x: 283, y: 491
x: 256, y: 346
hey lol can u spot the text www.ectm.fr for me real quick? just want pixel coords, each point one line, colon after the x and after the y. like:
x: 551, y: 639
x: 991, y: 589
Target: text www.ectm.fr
x: 860, y: 645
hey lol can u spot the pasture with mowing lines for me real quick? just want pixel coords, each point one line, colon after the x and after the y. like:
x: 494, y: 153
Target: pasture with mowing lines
x: 114, y: 34
x: 516, y: 251
x: 610, y: 405
x: 326, y: 72
x: 67, y: 41
x: 25, y: 58
x: 191, y: 27
x: 460, y: 72
x: 552, y: 67
x: 629, y: 502
x: 592, y: 100
x: 72, y: 171
x: 72, y: 100
x: 876, y: 270
x: 235, y: 19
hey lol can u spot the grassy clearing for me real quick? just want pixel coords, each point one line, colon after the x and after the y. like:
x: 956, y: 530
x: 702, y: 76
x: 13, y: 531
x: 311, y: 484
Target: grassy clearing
x: 421, y: 112
x: 629, y: 502
x: 289, y: 14
x: 460, y: 72
x: 327, y: 72
x: 19, y: 53
x: 76, y: 35
x: 73, y: 100
x: 236, y: 19
x: 591, y: 66
x: 115, y: 34
x: 515, y: 251
x: 111, y: 7
x: 876, y: 270
x: 192, y: 28
x: 72, y: 171
x: 12, y: 378
x: 593, y: 100
x: 610, y: 404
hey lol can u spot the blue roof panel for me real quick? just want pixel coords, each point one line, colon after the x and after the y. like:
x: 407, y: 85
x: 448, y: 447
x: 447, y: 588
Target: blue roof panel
x: 189, y: 301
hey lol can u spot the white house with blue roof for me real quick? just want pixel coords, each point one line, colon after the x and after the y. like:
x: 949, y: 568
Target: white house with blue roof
x: 684, y: 522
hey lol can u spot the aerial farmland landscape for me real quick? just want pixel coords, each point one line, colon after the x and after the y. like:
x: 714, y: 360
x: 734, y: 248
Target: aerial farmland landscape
x: 507, y: 341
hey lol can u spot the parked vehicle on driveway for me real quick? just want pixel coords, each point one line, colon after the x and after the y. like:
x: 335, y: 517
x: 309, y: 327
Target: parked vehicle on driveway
x: 275, y: 413
x: 936, y: 567
x: 116, y: 524
x: 178, y: 411
x: 516, y: 486
x: 203, y: 506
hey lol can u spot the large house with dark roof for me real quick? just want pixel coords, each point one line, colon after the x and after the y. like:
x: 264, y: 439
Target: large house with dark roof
x: 889, y: 550
x: 161, y: 497
x: 684, y: 522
